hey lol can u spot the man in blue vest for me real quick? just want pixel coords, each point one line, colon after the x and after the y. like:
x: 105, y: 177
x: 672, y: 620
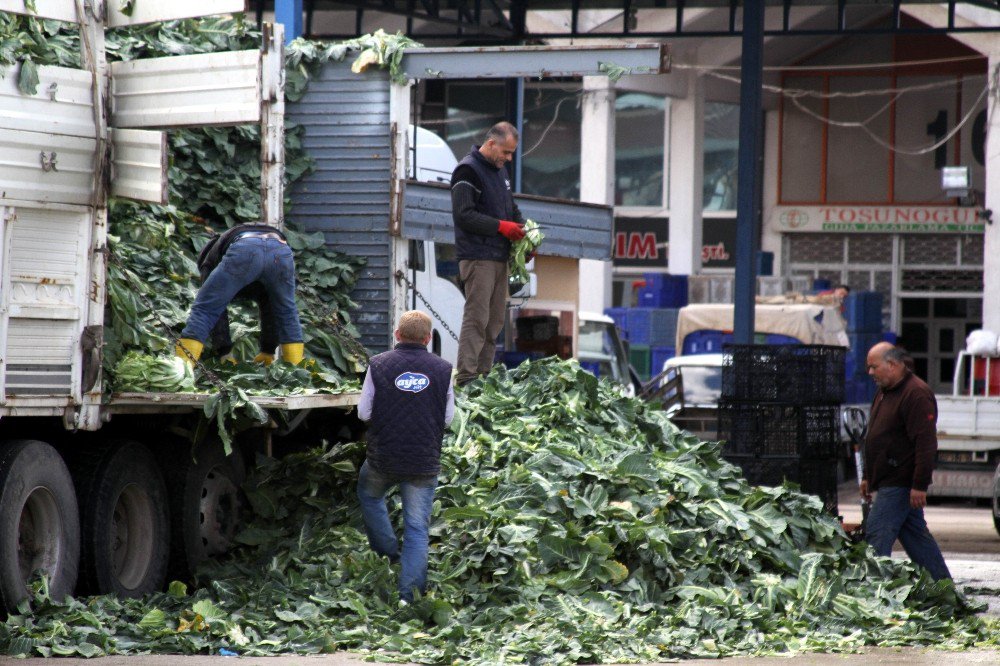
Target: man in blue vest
x: 407, y: 400
x: 486, y: 222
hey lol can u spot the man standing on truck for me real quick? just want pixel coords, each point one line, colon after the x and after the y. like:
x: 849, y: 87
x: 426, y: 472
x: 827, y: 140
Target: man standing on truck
x: 900, y: 450
x: 408, y: 401
x: 245, y: 255
x: 486, y: 222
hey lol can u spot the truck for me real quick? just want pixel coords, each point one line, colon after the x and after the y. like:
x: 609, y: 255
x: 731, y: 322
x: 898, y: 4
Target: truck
x: 969, y: 433
x: 113, y: 493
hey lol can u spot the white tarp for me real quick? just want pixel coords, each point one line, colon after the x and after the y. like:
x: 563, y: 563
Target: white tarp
x: 809, y: 323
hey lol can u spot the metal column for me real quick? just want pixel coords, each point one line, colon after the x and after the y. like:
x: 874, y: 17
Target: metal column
x: 289, y: 14
x: 748, y: 197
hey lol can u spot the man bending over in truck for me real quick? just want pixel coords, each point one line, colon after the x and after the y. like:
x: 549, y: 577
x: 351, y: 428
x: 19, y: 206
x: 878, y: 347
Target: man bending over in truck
x: 486, y: 222
x: 407, y: 400
x: 900, y: 450
x: 253, y: 256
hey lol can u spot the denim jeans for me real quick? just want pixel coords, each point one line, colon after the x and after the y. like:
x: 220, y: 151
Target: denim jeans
x: 418, y: 498
x: 264, y: 260
x: 891, y: 517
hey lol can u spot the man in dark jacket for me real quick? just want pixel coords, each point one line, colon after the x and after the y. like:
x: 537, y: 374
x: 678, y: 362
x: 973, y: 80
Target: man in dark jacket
x: 486, y: 222
x: 245, y: 255
x: 407, y: 400
x: 900, y: 450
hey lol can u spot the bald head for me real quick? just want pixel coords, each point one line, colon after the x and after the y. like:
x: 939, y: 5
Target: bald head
x: 886, y: 364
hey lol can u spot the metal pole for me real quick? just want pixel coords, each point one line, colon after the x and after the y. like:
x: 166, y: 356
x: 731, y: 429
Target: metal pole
x: 749, y: 192
x: 289, y: 14
x: 519, y: 114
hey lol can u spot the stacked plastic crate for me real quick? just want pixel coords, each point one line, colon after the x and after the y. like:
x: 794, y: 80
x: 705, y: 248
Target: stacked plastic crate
x: 651, y: 327
x: 863, y: 312
x: 779, y: 415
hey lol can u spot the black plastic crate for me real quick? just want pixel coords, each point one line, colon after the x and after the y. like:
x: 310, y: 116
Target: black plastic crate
x: 537, y: 328
x: 815, y: 477
x: 794, y: 374
x: 768, y: 429
x: 819, y: 477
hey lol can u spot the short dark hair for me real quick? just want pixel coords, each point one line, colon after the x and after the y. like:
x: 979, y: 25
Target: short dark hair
x: 895, y: 354
x: 842, y: 286
x: 502, y: 131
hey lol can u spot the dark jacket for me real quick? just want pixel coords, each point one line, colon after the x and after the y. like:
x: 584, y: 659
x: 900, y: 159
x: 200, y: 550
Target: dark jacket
x: 408, y: 411
x: 901, y: 444
x: 210, y: 257
x: 480, y: 198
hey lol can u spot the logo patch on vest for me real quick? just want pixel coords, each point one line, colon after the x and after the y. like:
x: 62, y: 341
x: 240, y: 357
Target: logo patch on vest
x: 414, y: 382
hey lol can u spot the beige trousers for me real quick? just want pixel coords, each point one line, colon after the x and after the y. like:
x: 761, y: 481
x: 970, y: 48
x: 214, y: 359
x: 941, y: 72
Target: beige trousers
x: 485, y: 306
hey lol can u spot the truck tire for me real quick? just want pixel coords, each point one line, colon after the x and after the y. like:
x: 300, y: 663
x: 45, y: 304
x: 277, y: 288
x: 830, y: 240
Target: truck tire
x: 996, y: 500
x: 125, y: 522
x: 39, y: 523
x: 206, y: 503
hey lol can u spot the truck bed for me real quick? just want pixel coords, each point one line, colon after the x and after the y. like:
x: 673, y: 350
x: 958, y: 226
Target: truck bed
x: 160, y: 403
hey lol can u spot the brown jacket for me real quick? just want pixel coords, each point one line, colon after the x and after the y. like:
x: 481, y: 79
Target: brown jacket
x: 901, y: 445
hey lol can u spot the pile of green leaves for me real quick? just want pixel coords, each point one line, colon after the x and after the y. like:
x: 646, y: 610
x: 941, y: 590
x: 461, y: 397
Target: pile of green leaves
x: 570, y: 525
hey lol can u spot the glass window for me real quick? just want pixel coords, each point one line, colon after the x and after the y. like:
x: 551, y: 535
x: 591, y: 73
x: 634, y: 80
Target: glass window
x: 722, y: 140
x: 472, y: 108
x: 445, y: 263
x: 550, y: 141
x: 639, y: 141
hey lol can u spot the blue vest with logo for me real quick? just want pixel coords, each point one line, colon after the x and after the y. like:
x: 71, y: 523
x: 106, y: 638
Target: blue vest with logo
x: 495, y: 200
x: 407, y: 424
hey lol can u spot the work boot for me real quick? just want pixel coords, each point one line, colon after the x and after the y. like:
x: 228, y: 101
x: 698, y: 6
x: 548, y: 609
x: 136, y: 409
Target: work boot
x: 266, y: 359
x: 291, y: 352
x: 189, y: 349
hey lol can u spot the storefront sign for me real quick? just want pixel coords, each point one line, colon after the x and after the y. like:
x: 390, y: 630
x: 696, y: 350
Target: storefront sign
x: 877, y: 219
x: 641, y: 242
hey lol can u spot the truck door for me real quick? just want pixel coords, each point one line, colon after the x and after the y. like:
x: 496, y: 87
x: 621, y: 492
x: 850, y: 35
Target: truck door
x: 43, y: 300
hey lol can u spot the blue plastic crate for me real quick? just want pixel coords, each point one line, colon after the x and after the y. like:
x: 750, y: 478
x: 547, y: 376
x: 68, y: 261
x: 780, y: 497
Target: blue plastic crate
x: 659, y: 356
x: 705, y: 342
x: 663, y: 290
x: 654, y: 327
x: 855, y: 360
x: 593, y: 367
x: 863, y: 311
x: 890, y: 337
x: 620, y: 316
x: 778, y: 339
x: 821, y: 285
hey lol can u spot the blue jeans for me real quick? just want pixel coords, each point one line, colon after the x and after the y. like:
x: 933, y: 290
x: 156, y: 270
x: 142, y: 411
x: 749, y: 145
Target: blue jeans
x: 418, y: 498
x: 891, y: 517
x: 264, y: 260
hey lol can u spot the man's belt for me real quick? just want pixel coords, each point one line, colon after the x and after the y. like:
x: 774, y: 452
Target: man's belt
x: 260, y: 234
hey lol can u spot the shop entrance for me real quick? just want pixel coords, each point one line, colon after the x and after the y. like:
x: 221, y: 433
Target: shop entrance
x: 933, y: 330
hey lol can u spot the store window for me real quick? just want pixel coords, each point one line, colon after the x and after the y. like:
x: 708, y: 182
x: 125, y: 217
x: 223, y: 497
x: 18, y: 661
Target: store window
x: 722, y: 133
x: 471, y: 108
x: 639, y: 142
x: 550, y: 141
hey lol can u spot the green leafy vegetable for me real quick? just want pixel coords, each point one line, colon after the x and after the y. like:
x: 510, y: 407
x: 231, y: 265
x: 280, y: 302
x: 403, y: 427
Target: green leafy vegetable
x: 145, y: 373
x: 519, y: 251
x: 571, y: 525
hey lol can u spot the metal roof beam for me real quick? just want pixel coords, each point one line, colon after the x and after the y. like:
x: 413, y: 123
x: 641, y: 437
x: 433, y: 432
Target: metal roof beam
x: 532, y: 61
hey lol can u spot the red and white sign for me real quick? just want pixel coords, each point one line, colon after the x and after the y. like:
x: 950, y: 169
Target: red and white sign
x: 877, y: 219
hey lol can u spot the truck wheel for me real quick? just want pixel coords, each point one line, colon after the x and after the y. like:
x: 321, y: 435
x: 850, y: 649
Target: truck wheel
x: 125, y: 522
x: 39, y: 523
x: 206, y: 503
x: 996, y: 500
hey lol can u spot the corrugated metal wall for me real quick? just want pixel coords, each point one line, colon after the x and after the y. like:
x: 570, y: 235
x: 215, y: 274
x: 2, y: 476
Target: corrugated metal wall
x: 346, y: 121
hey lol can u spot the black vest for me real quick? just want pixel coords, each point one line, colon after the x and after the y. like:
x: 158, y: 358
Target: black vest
x: 407, y: 424
x: 495, y: 200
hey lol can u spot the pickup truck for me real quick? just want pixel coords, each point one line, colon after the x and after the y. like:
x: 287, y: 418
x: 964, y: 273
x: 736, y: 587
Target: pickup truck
x: 969, y: 433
